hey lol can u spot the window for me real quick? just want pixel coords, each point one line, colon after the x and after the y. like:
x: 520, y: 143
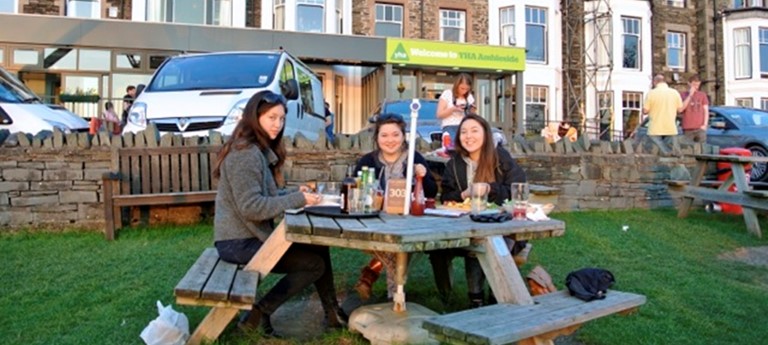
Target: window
x: 310, y: 15
x: 8, y: 7
x: 389, y: 20
x: 507, y: 26
x: 339, y: 16
x: 60, y: 58
x: 83, y: 8
x: 747, y: 3
x: 279, y: 22
x: 744, y: 102
x: 603, y: 52
x: 211, y: 12
x: 631, y: 37
x: 305, y: 89
x: 676, y: 3
x: 452, y: 26
x: 605, y: 113
x: 535, y: 107
x: 2, y: 56
x: 676, y: 52
x: 763, y: 38
x: 94, y: 60
x: 742, y: 53
x: 26, y: 57
x: 764, y: 103
x: 128, y: 60
x: 286, y: 75
x: 631, y: 105
x: 536, y: 34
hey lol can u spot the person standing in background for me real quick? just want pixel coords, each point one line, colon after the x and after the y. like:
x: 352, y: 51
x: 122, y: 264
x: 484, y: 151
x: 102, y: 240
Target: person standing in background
x: 662, y: 105
x: 329, y: 117
x: 130, y: 96
x: 454, y: 103
x: 695, y: 111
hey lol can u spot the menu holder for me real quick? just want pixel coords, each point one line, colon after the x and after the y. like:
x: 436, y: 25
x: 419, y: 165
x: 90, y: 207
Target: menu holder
x: 394, y: 198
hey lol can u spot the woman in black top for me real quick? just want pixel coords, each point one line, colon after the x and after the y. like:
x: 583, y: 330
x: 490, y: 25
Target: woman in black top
x: 389, y: 160
x: 476, y: 159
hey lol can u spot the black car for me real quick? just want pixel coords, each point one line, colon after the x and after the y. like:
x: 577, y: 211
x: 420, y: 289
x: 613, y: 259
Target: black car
x: 735, y: 127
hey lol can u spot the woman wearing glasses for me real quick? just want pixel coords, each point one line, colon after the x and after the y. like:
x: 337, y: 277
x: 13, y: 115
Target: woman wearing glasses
x: 476, y: 159
x: 249, y: 171
x: 389, y: 160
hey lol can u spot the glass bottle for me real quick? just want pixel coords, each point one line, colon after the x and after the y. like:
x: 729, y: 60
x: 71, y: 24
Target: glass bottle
x: 417, y: 204
x: 347, y: 187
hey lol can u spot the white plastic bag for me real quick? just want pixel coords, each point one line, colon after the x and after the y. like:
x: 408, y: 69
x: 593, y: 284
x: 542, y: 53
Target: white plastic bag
x: 169, y: 328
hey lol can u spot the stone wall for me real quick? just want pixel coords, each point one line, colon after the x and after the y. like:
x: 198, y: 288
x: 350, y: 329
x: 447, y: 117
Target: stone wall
x: 53, y: 180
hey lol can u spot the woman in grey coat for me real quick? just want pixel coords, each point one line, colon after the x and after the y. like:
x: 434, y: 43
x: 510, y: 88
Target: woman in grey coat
x: 249, y: 170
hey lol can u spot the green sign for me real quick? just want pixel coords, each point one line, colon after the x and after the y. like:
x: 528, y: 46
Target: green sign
x: 454, y: 55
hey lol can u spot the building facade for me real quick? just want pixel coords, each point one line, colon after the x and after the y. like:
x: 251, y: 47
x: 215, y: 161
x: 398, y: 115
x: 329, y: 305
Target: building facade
x: 745, y: 51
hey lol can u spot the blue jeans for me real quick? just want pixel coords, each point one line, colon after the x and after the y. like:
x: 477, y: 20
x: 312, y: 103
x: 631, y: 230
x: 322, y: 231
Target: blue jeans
x: 661, y: 141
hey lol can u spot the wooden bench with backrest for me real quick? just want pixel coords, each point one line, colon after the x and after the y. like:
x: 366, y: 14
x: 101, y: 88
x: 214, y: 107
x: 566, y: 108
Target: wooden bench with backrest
x: 225, y: 287
x: 550, y: 316
x: 165, y: 175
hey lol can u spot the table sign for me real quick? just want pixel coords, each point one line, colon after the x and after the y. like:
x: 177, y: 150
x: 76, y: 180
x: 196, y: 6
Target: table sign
x: 394, y: 199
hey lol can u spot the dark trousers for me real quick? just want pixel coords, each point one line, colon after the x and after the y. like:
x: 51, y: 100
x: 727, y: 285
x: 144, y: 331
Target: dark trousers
x: 302, y: 265
x: 442, y: 266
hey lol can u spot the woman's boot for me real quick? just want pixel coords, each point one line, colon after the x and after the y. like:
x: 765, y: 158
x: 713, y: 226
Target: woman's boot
x: 368, y: 276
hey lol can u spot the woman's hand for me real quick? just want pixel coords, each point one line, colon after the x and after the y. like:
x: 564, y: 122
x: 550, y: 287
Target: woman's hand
x: 420, y: 170
x: 305, y: 189
x: 311, y: 199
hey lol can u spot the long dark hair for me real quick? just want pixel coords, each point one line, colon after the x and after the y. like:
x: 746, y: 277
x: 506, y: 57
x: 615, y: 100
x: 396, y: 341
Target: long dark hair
x: 486, y: 165
x: 249, y: 132
x: 385, y: 119
x: 463, y: 78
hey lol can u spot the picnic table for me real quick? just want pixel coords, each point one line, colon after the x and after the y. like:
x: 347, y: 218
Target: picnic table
x: 408, y: 234
x: 744, y: 195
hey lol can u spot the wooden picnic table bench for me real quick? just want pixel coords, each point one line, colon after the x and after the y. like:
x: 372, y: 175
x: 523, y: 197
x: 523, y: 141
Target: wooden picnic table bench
x: 550, y: 316
x: 749, y: 199
x: 157, y: 176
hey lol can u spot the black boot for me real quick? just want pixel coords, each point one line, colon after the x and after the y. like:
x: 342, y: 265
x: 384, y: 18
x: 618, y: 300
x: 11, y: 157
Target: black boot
x: 475, y: 299
x: 255, y: 319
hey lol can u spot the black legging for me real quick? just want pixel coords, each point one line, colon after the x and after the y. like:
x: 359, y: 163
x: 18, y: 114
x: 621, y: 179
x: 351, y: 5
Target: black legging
x: 302, y: 265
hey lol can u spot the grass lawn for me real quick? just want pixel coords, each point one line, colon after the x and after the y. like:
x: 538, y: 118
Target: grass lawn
x: 76, y: 288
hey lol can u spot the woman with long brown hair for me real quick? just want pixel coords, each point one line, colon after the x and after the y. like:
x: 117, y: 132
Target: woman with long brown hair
x: 248, y: 200
x: 454, y: 103
x: 475, y: 159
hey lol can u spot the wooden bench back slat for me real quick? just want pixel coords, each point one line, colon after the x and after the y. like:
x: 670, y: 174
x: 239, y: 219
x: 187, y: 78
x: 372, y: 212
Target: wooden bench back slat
x: 146, y: 174
x: 166, y: 169
x: 185, y: 175
x: 193, y: 282
x: 165, y: 173
x: 194, y: 171
x: 175, y: 173
x: 156, y: 173
x: 135, y: 176
x: 205, y: 171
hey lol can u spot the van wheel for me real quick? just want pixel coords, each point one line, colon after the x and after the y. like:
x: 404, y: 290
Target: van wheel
x: 759, y: 170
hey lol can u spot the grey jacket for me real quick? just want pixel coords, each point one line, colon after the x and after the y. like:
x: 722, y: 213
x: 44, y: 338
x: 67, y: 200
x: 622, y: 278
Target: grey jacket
x: 243, y: 209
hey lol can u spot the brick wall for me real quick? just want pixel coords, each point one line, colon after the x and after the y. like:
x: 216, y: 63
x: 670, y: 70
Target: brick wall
x: 49, y: 7
x: 54, y: 180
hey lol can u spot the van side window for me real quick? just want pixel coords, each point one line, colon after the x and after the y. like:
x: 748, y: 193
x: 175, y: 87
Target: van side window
x: 285, y: 75
x: 305, y: 88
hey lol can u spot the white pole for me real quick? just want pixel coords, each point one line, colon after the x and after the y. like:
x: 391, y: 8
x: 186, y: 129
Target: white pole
x: 415, y: 105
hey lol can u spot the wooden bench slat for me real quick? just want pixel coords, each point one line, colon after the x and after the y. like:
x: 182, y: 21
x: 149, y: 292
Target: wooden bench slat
x: 220, y: 282
x: 757, y: 193
x: 508, y: 323
x: 192, y: 284
x: 164, y: 199
x: 244, y: 287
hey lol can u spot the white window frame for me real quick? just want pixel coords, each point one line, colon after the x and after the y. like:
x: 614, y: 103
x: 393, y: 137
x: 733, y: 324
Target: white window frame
x: 676, y: 3
x: 764, y: 103
x: 339, y: 16
x: 507, y: 26
x: 762, y: 38
x: 631, y: 101
x: 15, y: 7
x: 679, y: 45
x: 744, y: 102
x: 95, y: 8
x: 453, y: 19
x: 311, y: 3
x: 279, y: 12
x: 537, y: 20
x: 628, y: 28
x: 384, y: 7
x: 742, y: 53
x: 538, y: 94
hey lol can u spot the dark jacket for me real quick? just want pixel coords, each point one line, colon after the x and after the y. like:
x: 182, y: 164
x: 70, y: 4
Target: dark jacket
x: 371, y: 160
x: 455, y: 178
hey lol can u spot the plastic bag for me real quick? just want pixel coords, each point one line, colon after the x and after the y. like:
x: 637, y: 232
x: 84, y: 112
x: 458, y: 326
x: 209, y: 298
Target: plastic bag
x: 169, y: 328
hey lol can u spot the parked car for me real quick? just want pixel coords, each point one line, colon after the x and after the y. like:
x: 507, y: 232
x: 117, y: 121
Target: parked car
x: 428, y: 125
x: 196, y: 93
x: 731, y: 126
x: 23, y: 111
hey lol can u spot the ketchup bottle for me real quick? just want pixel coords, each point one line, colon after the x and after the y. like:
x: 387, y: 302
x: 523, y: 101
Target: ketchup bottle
x: 417, y: 204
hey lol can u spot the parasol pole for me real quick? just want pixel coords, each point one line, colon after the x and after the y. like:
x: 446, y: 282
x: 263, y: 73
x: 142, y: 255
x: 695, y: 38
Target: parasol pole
x: 415, y: 105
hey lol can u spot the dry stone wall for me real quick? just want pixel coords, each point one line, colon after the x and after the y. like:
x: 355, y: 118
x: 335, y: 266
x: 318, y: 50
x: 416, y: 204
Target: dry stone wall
x: 53, y: 180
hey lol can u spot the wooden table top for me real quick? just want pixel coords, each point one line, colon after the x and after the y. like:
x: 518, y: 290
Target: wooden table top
x: 408, y: 233
x: 730, y: 158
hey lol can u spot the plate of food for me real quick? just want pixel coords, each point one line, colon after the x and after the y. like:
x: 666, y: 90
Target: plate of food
x: 466, y: 205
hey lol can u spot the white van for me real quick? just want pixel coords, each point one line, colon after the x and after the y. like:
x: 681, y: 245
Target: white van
x: 194, y: 94
x: 22, y: 111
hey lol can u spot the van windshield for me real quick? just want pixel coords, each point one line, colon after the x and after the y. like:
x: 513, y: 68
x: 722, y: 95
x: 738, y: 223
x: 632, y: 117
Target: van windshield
x: 225, y: 71
x: 13, y: 91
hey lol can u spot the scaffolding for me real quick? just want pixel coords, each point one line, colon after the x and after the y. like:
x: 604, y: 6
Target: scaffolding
x: 588, y: 33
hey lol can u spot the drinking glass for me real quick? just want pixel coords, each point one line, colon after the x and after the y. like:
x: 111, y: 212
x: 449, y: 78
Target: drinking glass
x: 519, y: 196
x: 478, y: 193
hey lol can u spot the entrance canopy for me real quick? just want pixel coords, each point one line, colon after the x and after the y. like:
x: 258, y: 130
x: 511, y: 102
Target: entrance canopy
x: 467, y: 57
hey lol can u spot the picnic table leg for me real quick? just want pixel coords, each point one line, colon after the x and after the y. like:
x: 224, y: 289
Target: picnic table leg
x: 401, y: 274
x: 686, y: 202
x: 502, y: 273
x: 213, y: 324
x: 739, y: 176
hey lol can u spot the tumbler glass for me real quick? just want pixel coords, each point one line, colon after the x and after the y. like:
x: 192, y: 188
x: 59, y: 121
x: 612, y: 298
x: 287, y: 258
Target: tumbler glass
x: 519, y: 196
x: 478, y: 193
